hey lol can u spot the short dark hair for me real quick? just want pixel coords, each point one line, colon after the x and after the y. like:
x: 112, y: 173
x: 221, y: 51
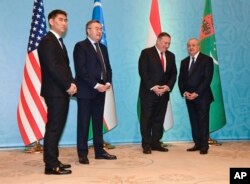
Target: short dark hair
x: 89, y: 23
x: 162, y: 34
x: 54, y: 13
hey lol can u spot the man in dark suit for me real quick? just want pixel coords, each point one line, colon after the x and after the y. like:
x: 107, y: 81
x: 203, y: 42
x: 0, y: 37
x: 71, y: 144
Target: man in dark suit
x: 93, y: 79
x: 194, y: 81
x: 158, y: 72
x: 57, y: 86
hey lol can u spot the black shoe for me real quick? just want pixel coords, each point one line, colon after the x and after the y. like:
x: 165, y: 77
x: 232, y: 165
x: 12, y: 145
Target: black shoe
x: 106, y: 156
x: 160, y: 148
x: 57, y: 171
x: 64, y: 166
x: 147, y: 150
x: 83, y: 160
x: 203, y: 152
x: 195, y: 148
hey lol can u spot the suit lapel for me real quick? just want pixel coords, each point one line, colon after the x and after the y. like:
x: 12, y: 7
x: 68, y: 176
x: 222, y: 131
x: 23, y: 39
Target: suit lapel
x: 156, y: 58
x: 195, y: 65
x: 63, y: 52
x: 186, y: 67
x: 168, y: 60
x: 92, y: 49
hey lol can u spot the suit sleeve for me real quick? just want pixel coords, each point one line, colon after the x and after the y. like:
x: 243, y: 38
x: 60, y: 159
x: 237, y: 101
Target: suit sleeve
x: 181, y: 79
x: 80, y: 61
x: 143, y: 70
x: 172, y: 74
x: 208, y: 76
x: 107, y: 65
x: 57, y: 68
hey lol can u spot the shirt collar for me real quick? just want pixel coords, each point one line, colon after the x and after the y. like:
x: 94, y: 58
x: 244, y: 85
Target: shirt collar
x: 159, y: 52
x: 56, y: 34
x: 195, y: 56
x: 92, y: 41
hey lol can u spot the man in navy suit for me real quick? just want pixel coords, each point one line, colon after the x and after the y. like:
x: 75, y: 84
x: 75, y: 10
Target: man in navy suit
x: 57, y: 86
x: 194, y: 81
x: 93, y: 79
x: 157, y: 70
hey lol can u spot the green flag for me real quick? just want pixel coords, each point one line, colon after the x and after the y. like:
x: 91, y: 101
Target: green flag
x: 208, y: 47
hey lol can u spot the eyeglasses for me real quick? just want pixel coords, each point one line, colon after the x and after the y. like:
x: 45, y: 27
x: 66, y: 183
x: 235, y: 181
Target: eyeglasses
x: 96, y: 28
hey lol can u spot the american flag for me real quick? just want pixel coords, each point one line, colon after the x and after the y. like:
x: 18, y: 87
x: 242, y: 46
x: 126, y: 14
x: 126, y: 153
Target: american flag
x: 32, y: 110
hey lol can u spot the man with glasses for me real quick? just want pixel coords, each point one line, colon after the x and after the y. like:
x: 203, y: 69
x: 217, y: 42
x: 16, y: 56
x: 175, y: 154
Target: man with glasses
x: 93, y: 79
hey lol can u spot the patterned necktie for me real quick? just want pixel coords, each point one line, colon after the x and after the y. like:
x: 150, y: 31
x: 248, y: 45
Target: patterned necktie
x: 101, y: 59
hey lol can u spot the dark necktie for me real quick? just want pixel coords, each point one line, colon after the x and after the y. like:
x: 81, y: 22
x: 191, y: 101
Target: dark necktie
x: 191, y: 66
x: 62, y: 44
x: 64, y: 49
x: 101, y: 59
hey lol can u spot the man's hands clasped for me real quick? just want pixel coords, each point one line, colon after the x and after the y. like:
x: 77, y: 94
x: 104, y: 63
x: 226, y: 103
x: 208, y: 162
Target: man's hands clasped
x: 103, y: 87
x: 160, y: 90
x: 190, y: 96
x: 72, y: 89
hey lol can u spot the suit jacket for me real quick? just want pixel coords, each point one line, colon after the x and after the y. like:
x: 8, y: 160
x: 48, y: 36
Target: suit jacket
x: 56, y: 72
x: 152, y: 73
x: 88, y: 68
x: 199, y: 79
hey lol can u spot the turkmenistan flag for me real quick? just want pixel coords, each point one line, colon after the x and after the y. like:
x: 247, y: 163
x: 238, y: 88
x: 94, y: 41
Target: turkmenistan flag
x: 153, y: 32
x: 109, y: 116
x: 208, y: 47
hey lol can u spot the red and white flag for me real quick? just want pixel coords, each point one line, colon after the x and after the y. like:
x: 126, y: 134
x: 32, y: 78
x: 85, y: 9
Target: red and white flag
x: 32, y: 110
x: 153, y: 32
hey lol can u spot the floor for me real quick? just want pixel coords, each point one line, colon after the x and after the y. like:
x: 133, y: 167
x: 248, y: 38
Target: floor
x: 132, y: 166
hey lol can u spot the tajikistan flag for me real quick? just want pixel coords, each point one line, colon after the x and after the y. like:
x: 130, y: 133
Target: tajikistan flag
x: 154, y: 31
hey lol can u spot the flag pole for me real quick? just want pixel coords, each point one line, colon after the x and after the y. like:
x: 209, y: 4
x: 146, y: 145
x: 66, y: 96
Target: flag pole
x: 109, y: 107
x: 35, y: 147
x: 213, y: 142
x: 107, y: 145
x: 208, y: 46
